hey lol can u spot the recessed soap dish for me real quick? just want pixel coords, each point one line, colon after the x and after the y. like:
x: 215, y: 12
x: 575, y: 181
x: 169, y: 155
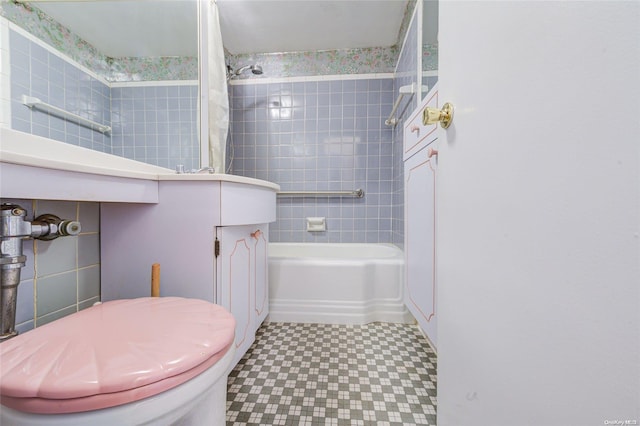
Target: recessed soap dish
x: 316, y: 224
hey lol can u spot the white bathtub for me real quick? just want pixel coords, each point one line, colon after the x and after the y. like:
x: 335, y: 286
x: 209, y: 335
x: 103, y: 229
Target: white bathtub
x: 336, y: 283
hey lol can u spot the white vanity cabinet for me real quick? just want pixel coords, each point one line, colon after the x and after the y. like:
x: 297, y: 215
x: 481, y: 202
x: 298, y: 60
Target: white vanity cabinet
x: 241, y: 279
x: 420, y: 168
x: 149, y: 214
x: 416, y: 134
x: 210, y: 238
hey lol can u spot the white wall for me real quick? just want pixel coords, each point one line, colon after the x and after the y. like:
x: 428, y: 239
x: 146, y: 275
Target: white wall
x: 538, y: 214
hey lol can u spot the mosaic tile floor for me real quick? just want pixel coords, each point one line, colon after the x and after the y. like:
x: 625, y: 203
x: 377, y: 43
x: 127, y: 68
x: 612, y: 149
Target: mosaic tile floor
x: 319, y: 374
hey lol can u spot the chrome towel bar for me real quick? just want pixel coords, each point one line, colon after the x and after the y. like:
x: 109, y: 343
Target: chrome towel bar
x: 404, y: 90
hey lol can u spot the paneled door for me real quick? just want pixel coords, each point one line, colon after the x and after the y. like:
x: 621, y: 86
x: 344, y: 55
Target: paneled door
x: 420, y: 284
x: 242, y: 278
x: 260, y: 241
x: 234, y: 287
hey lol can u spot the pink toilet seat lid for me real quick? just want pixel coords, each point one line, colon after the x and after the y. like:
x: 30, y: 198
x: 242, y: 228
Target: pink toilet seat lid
x: 113, y: 347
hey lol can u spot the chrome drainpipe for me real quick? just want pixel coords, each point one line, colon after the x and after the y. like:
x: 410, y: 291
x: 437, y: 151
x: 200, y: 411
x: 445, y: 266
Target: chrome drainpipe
x: 13, y: 230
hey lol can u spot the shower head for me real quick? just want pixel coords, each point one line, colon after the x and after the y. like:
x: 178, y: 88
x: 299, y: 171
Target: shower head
x: 255, y: 69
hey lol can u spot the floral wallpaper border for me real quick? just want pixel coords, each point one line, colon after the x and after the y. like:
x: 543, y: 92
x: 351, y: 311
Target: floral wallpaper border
x: 429, y: 57
x: 292, y: 64
x: 325, y: 62
x: 154, y: 69
x: 40, y: 25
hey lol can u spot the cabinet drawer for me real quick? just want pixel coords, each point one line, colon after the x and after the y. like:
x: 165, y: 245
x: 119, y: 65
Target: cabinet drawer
x: 416, y: 135
x: 242, y: 204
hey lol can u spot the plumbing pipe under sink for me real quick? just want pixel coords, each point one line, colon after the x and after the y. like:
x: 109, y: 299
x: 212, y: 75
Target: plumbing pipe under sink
x: 13, y: 230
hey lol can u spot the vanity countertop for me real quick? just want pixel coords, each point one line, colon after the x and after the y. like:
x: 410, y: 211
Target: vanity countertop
x: 36, y: 151
x: 37, y: 167
x: 222, y: 177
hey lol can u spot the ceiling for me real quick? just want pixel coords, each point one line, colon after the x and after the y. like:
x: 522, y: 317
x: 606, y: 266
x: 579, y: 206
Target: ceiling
x: 255, y: 26
x: 120, y: 28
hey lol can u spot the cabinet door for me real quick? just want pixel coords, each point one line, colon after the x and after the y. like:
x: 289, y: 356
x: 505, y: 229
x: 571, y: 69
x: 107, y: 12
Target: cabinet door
x: 420, y: 286
x: 234, y: 285
x: 261, y: 274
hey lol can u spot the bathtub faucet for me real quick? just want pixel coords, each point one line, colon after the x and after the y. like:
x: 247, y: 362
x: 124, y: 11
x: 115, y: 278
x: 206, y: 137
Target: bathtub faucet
x: 13, y: 230
x: 181, y: 170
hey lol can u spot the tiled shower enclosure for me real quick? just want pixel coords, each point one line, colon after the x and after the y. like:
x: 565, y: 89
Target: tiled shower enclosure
x: 319, y: 135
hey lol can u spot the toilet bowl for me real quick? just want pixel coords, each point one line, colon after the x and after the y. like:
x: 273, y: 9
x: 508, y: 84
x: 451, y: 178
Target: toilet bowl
x: 126, y: 362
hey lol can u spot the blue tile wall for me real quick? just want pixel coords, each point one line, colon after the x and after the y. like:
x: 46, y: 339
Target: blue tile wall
x: 406, y: 73
x: 319, y: 136
x: 37, y: 72
x: 316, y: 135
x: 156, y: 124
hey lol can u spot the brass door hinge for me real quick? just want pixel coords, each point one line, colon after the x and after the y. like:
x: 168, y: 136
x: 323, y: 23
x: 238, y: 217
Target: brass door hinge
x: 216, y: 248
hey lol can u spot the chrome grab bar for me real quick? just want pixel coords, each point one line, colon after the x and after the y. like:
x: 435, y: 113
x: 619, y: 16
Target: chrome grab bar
x: 358, y: 193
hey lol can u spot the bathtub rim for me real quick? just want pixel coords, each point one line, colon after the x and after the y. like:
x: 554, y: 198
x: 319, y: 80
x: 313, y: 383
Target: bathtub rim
x: 398, y: 253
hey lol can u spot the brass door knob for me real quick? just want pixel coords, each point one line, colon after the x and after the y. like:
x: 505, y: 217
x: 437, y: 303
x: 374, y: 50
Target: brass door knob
x: 443, y: 116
